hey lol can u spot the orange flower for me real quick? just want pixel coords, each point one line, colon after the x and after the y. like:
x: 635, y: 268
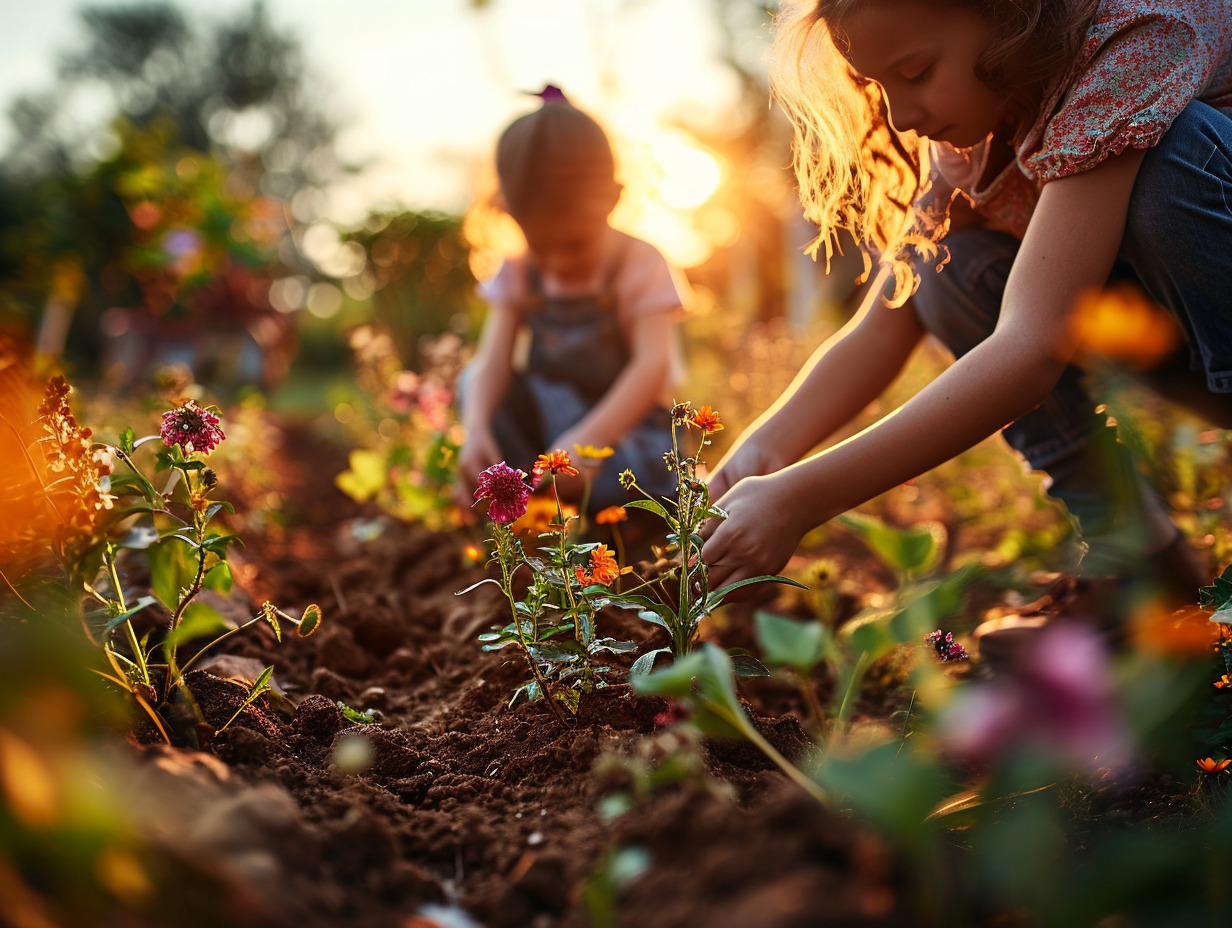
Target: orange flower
x: 611, y: 515
x: 707, y: 420
x: 1213, y: 766
x: 556, y: 462
x: 1222, y: 682
x: 603, y: 567
x: 474, y: 553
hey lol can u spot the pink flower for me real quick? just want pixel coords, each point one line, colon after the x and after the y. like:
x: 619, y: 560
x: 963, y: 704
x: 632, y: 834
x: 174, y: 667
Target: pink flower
x: 506, y: 490
x: 192, y: 428
x: 1059, y: 701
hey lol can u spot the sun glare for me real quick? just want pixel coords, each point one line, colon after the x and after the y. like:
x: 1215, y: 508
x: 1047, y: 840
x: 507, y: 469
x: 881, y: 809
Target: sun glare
x: 688, y: 176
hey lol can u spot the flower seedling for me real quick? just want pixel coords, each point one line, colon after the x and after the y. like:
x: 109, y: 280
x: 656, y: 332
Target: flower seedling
x: 552, y: 622
x: 678, y: 599
x: 125, y: 514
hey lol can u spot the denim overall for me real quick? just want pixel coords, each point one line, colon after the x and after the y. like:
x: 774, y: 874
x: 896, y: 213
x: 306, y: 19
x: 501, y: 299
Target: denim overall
x: 577, y: 351
x: 1178, y: 247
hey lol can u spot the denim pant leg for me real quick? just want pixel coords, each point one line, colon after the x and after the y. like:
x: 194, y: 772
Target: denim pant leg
x: 1090, y: 471
x: 1178, y: 235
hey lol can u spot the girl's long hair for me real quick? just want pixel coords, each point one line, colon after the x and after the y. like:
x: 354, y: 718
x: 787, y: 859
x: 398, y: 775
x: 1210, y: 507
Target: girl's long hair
x: 856, y: 174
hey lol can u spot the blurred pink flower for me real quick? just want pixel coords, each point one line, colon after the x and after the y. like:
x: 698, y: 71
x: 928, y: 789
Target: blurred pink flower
x: 1058, y: 701
x: 506, y: 490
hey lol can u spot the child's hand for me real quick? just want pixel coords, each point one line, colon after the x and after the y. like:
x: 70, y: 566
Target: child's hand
x: 479, y: 452
x: 749, y: 459
x: 759, y: 535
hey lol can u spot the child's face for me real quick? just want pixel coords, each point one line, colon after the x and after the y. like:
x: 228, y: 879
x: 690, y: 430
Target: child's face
x: 924, y: 55
x: 567, y: 246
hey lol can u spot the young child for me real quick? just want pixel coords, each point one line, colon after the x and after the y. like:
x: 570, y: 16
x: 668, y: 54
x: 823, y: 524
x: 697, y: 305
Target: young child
x: 598, y: 307
x: 1092, y: 141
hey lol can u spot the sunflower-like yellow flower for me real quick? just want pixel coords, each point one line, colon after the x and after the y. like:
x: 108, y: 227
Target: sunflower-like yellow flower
x: 591, y: 453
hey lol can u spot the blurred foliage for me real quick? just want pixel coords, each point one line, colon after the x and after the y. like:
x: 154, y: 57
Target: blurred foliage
x: 174, y: 204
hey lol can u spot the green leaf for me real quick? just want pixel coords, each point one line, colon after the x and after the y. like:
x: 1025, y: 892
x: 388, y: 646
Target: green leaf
x: 748, y: 667
x: 262, y: 683
x: 571, y: 699
x: 116, y: 620
x: 188, y: 466
x: 172, y: 569
x: 1219, y: 593
x: 218, y: 578
x: 787, y: 642
x: 310, y: 621
x: 651, y: 506
x: 199, y: 621
x: 716, y: 597
x: 911, y: 550
x: 127, y: 437
x: 217, y: 507
x: 645, y: 664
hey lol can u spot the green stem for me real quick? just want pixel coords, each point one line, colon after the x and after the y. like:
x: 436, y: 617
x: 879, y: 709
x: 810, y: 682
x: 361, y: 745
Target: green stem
x: 504, y: 556
x: 129, y: 632
x: 793, y: 772
x: 564, y: 564
x: 851, y: 689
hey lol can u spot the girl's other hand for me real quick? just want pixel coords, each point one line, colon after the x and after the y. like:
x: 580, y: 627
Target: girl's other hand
x: 759, y: 535
x: 480, y: 452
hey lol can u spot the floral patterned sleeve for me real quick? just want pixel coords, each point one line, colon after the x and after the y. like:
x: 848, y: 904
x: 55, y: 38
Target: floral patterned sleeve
x: 1143, y: 61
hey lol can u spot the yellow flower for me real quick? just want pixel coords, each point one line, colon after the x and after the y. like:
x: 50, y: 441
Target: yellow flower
x: 592, y: 453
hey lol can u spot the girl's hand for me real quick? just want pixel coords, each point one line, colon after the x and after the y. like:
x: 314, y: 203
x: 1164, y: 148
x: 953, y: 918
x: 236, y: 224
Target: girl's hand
x: 760, y: 534
x: 479, y: 452
x: 749, y: 459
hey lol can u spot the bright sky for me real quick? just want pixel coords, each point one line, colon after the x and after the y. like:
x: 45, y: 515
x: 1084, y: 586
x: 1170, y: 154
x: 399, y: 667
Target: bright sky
x: 428, y: 84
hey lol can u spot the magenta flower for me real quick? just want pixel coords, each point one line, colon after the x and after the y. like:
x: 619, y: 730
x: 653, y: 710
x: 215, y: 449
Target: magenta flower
x: 506, y: 490
x: 946, y: 647
x: 192, y: 428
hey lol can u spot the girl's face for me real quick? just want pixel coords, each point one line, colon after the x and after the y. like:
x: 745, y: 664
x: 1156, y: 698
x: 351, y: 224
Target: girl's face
x: 568, y: 246
x: 924, y: 55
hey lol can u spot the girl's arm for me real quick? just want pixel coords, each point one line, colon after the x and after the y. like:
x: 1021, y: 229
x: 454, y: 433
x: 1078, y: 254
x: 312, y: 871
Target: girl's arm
x: 638, y: 388
x: 1070, y: 246
x: 491, y: 371
x: 850, y: 370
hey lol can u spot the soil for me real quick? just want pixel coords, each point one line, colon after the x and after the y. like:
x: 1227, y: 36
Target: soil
x: 451, y: 808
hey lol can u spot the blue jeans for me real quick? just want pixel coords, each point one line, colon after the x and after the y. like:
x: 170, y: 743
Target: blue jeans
x: 1178, y: 247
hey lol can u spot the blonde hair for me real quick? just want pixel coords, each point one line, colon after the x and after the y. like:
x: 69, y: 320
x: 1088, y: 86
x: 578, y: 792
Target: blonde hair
x: 856, y: 174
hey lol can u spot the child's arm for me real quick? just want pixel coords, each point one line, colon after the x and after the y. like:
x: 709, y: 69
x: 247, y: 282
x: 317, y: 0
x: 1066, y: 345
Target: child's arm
x: 844, y: 375
x: 492, y: 368
x: 1070, y: 246
x: 637, y: 389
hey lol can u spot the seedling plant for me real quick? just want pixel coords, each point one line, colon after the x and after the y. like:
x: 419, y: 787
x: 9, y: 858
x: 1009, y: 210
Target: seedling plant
x: 165, y: 513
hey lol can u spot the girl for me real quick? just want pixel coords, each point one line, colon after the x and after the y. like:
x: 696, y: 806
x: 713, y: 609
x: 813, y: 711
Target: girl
x: 1091, y: 140
x: 596, y: 305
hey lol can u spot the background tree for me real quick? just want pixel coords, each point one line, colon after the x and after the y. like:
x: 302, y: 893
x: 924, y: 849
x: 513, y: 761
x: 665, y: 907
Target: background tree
x: 217, y: 117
